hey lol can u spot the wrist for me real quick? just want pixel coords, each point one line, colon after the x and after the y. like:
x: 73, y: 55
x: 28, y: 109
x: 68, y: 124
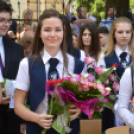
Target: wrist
x: 36, y: 117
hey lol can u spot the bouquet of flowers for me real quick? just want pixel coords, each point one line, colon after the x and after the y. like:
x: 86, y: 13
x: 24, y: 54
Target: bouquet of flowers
x: 110, y: 80
x: 84, y: 91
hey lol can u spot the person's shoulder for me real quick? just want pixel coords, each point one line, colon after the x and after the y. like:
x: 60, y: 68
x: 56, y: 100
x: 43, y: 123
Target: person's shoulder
x: 102, y: 55
x: 103, y: 20
x: 24, y: 61
x: 14, y: 44
x: 70, y: 58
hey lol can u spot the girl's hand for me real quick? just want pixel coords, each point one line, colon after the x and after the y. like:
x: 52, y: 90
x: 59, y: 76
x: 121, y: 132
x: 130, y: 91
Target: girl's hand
x: 45, y: 120
x: 76, y: 112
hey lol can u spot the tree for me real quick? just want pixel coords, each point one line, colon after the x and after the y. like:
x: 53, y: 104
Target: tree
x: 122, y: 6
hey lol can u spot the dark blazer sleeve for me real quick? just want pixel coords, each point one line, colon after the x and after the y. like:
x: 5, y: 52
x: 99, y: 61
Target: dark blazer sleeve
x: 13, y: 55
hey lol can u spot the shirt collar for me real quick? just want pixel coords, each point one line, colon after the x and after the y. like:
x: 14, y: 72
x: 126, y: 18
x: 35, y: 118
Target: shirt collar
x: 110, y: 18
x: 46, y: 56
x: 1, y: 40
x: 118, y: 51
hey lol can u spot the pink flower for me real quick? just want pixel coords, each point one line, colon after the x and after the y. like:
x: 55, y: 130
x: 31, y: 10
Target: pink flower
x: 88, y: 60
x: 116, y: 86
x: 91, y: 78
x: 83, y: 87
x: 106, y: 82
x: 99, y: 71
x: 75, y: 78
x: 84, y: 78
x: 103, y: 90
x: 92, y: 85
x: 112, y: 77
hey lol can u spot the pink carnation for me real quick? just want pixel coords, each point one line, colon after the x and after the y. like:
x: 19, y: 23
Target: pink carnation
x: 116, y: 86
x: 88, y: 60
x: 103, y: 90
x: 99, y: 71
x: 106, y: 82
x: 112, y: 77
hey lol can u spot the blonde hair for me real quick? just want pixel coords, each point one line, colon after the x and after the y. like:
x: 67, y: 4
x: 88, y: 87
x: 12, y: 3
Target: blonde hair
x: 109, y: 50
x: 26, y: 11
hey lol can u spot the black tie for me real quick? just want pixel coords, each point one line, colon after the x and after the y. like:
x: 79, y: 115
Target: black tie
x: 53, y: 73
x: 123, y: 60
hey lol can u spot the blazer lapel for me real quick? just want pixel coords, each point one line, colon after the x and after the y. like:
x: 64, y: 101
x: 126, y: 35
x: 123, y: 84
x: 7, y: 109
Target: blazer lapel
x: 8, y: 54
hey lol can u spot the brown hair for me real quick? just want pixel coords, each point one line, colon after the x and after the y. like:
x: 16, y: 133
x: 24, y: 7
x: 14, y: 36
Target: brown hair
x: 26, y: 42
x: 103, y: 30
x: 94, y: 48
x: 109, y: 49
x: 38, y: 45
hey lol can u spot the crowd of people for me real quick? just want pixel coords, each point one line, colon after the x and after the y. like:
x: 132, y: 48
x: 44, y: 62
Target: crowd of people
x: 27, y: 54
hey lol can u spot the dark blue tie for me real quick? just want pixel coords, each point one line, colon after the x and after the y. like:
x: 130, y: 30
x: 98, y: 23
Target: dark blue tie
x: 1, y: 65
x: 123, y: 60
x: 53, y: 73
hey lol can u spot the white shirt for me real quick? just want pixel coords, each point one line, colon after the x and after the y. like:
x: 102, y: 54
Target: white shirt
x: 2, y: 52
x: 23, y: 82
x: 1, y: 78
x: 118, y: 52
x: 125, y: 95
x: 83, y: 55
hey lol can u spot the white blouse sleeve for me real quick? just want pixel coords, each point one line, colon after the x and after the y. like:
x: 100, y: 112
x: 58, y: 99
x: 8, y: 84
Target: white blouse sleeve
x: 1, y: 78
x: 22, y: 80
x: 125, y: 95
x: 101, y: 61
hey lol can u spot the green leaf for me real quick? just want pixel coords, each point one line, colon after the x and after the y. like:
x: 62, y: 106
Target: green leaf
x: 112, y: 97
x: 54, y: 107
x: 109, y: 105
x: 57, y: 128
x: 61, y: 129
x: 97, y: 115
x: 105, y: 75
x: 3, y: 83
x: 27, y: 106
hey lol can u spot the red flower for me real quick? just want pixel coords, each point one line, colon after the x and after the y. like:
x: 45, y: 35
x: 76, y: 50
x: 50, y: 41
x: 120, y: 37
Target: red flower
x: 54, y: 82
x: 114, y: 65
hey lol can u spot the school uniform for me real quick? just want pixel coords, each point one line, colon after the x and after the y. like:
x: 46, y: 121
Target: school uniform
x: 108, y: 118
x: 80, y: 54
x: 32, y: 78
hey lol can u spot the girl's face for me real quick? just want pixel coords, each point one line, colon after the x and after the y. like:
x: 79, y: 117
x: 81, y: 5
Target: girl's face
x: 74, y: 40
x: 86, y: 37
x: 123, y: 34
x: 52, y: 33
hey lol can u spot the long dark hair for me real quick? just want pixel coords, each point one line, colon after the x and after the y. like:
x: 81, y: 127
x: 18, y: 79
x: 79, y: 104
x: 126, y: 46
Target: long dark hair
x: 38, y: 45
x: 94, y: 48
x: 68, y: 34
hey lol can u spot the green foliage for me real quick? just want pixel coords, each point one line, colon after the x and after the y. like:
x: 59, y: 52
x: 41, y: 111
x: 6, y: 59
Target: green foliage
x: 131, y: 4
x: 104, y: 76
x: 92, y: 93
x: 54, y: 107
x: 95, y: 8
x: 97, y: 115
x: 3, y: 83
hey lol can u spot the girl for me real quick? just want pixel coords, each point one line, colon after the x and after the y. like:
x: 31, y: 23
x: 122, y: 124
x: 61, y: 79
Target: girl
x: 119, y: 50
x: 89, y: 40
x: 125, y: 95
x: 48, y: 48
